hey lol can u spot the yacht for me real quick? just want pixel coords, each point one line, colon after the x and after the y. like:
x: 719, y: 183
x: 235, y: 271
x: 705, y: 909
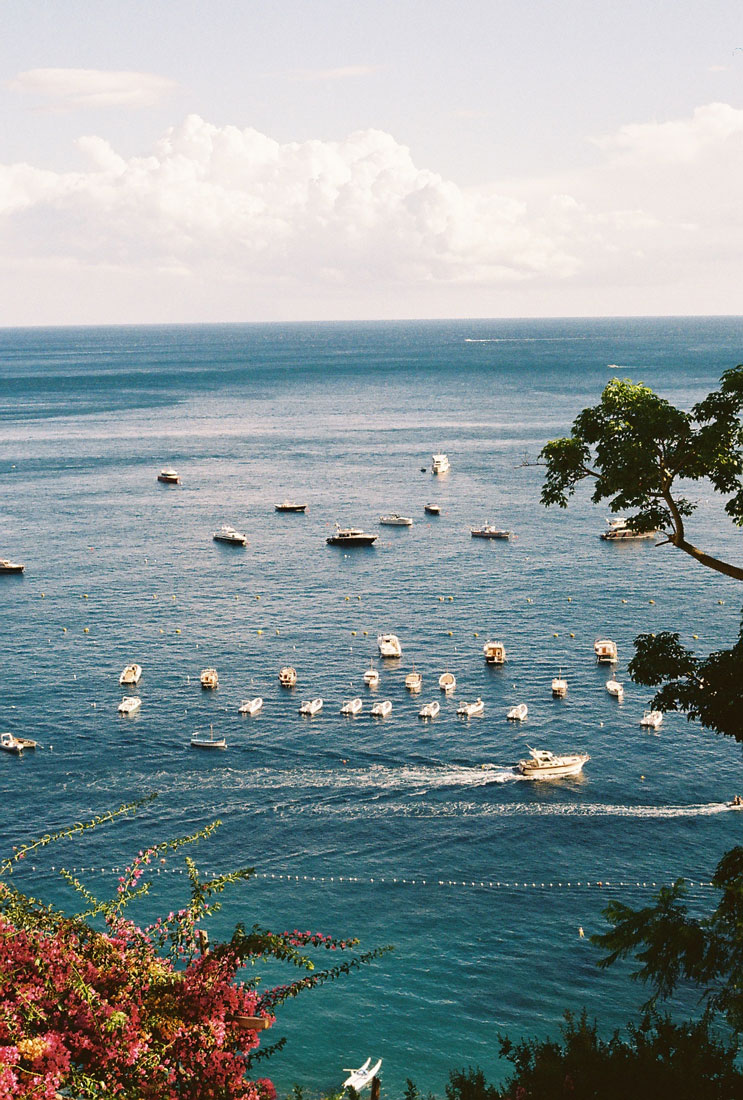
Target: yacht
x: 290, y: 506
x: 209, y: 678
x: 414, y: 682
x: 471, y: 710
x: 617, y: 529
x: 350, y: 536
x: 439, y: 464
x: 489, y: 531
x: 9, y: 743
x: 251, y: 706
x: 606, y: 651
x: 131, y: 675
x: 130, y: 704
x: 652, y: 718
x: 352, y: 706
x: 382, y: 708
x: 395, y: 520
x: 447, y: 682
x: 201, y: 741
x: 494, y: 653
x: 518, y: 713
x: 11, y: 566
x: 389, y: 645
x: 230, y: 535
x: 543, y: 765
x: 615, y: 688
x: 432, y: 509
x: 311, y: 706
x: 287, y: 676
x: 169, y: 477
x: 559, y: 687
x: 371, y: 677
x: 429, y: 710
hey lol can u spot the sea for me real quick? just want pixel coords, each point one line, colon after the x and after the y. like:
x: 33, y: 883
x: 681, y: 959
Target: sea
x: 396, y: 831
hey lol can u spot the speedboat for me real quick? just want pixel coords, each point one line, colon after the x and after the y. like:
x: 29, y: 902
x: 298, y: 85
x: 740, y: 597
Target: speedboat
x: 617, y: 529
x: 606, y: 651
x: 389, y: 645
x: 311, y: 706
x: 169, y: 477
x: 251, y: 706
x: 287, y: 676
x: 471, y: 710
x: 352, y: 706
x: 432, y: 509
x: 290, y: 506
x: 200, y: 741
x: 131, y: 674
x: 130, y: 704
x: 494, y: 653
x: 559, y: 687
x: 518, y: 713
x: 543, y: 765
x: 10, y: 743
x: 361, y: 1077
x: 11, y: 566
x: 615, y: 688
x: 395, y: 520
x: 447, y: 682
x: 652, y: 718
x: 230, y: 535
x: 439, y: 464
x: 488, y: 531
x: 371, y: 677
x: 350, y: 536
x: 414, y: 682
x: 429, y: 710
x: 382, y: 708
x: 209, y: 678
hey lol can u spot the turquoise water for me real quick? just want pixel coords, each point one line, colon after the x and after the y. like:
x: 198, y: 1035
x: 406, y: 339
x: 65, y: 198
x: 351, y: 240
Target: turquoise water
x: 390, y: 830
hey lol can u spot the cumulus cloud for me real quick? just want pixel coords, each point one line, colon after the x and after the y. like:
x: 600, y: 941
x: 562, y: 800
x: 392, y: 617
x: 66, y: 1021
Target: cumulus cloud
x: 71, y: 89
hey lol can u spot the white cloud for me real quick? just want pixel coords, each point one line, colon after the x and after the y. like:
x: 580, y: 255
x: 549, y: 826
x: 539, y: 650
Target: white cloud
x: 70, y: 89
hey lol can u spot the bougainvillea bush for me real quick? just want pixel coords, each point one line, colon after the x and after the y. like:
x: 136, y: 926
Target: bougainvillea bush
x: 94, y: 1006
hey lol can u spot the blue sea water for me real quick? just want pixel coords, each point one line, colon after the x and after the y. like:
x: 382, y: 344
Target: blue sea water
x: 389, y: 830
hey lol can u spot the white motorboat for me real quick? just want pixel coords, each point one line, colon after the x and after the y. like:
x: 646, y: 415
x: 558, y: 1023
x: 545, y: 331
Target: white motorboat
x: 251, y: 706
x: 290, y: 506
x: 10, y: 743
x: 169, y: 477
x: 389, y: 645
x: 352, y: 706
x: 230, y: 535
x: 209, y: 679
x: 350, y: 536
x: 615, y: 688
x: 395, y: 520
x: 414, y: 682
x: 489, y: 531
x: 518, y: 713
x: 11, y: 566
x: 311, y: 706
x: 130, y: 704
x: 439, y: 464
x: 494, y: 653
x: 471, y: 710
x: 382, y: 708
x: 432, y: 509
x: 605, y: 650
x: 131, y: 674
x: 361, y: 1077
x: 448, y: 682
x: 652, y: 718
x: 287, y: 676
x: 543, y: 765
x: 429, y: 710
x: 559, y: 687
x: 201, y: 741
x: 618, y: 530
x: 371, y: 677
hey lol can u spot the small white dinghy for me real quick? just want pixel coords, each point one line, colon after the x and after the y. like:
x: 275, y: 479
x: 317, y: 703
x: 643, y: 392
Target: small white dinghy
x: 251, y: 706
x: 518, y: 713
x: 471, y: 710
x: 448, y: 682
x: 559, y: 687
x: 130, y: 704
x: 429, y: 710
x: 352, y: 706
x: 652, y: 718
x: 371, y: 677
x: 414, y: 682
x: 132, y: 674
x: 361, y: 1077
x: 382, y: 708
x: 615, y: 688
x: 311, y: 706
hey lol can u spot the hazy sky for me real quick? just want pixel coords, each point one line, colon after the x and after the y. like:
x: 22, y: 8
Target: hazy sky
x: 167, y: 160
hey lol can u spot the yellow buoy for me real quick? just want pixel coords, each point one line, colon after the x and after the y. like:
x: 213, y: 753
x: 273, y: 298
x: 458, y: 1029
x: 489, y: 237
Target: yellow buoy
x: 353, y: 632
x: 450, y: 634
x: 161, y: 630
x: 475, y: 635
x: 44, y: 594
x: 85, y: 595
x: 695, y: 636
x: 154, y: 595
x: 719, y: 601
x: 651, y: 601
x: 555, y: 635
x: 358, y: 597
x: 441, y: 599
x: 177, y: 630
x: 347, y: 597
x: 85, y: 630
x: 365, y: 632
x: 257, y: 597
x: 450, y: 598
x: 570, y: 599
x: 260, y: 631
x: 64, y: 629
x: 572, y: 635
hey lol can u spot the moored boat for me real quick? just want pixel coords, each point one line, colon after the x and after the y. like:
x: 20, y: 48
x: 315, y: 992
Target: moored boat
x: 201, y: 741
x: 447, y: 682
x: 652, y: 718
x: 7, y: 566
x: 518, y: 713
x: 17, y: 745
x: 559, y: 687
x: 287, y: 676
x: 352, y: 706
x: 440, y: 464
x: 169, y: 477
x: 615, y: 688
x: 290, y: 506
x: 311, y: 706
x: 209, y: 679
x: 395, y: 520
x: 471, y: 710
x: 229, y: 535
x: 429, y: 710
x: 382, y: 708
x: 251, y: 706
x: 389, y: 645
x: 432, y: 509
x: 494, y: 653
x: 130, y: 704
x: 544, y: 765
x: 131, y: 675
x: 605, y: 650
x: 489, y: 531
x: 371, y: 676
x: 361, y: 1077
x: 618, y: 530
x: 414, y: 681
x: 350, y: 536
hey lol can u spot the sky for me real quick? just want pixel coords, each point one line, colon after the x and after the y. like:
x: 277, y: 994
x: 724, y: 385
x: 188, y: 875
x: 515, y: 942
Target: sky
x: 170, y: 161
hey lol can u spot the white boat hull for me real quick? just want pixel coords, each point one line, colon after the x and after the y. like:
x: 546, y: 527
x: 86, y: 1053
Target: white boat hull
x: 381, y: 710
x: 562, y: 771
x: 251, y: 706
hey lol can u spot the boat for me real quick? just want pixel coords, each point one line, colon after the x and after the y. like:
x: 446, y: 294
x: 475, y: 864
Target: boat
x: 432, y: 509
x: 250, y: 706
x: 360, y: 1078
x: 350, y: 536
x: 447, y: 682
x: 11, y: 566
x: 169, y: 477
x: 389, y: 645
x: 352, y: 706
x: 209, y: 678
x: 606, y: 651
x: 618, y: 530
x: 494, y: 653
x: 429, y: 710
x: 652, y: 718
x: 290, y: 506
x: 311, y: 706
x: 439, y: 464
x: 200, y: 741
x: 131, y: 674
x: 559, y: 687
x: 518, y: 713
x: 130, y: 704
x: 615, y: 688
x: 414, y: 681
x: 736, y: 803
x: 230, y: 535
x: 382, y: 708
x: 395, y: 520
x: 489, y: 531
x: 371, y: 676
x: 10, y: 743
x: 471, y: 710
x: 543, y: 765
x: 287, y: 676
